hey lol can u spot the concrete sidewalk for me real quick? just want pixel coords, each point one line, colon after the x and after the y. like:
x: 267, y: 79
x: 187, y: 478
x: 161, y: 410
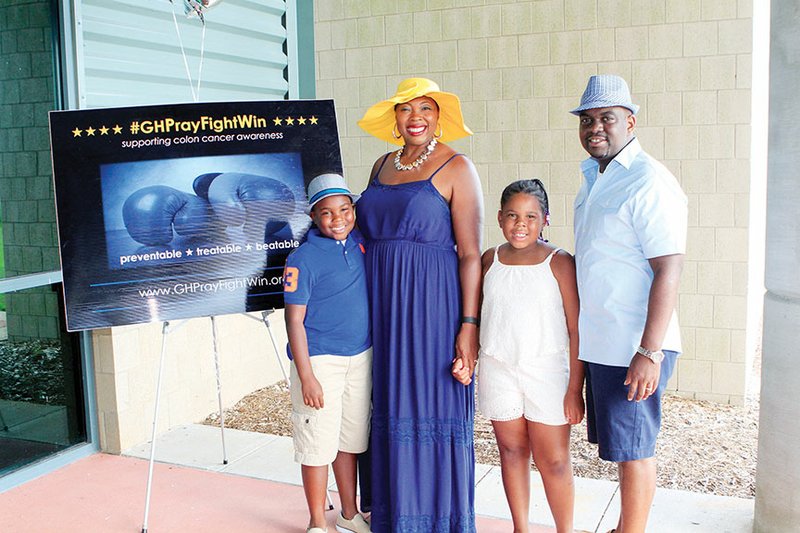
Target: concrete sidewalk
x: 270, y: 457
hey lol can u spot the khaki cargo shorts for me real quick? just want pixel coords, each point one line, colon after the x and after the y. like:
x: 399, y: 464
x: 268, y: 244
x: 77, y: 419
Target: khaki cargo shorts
x: 343, y: 424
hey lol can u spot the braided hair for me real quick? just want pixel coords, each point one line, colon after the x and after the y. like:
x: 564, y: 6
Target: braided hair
x: 533, y: 187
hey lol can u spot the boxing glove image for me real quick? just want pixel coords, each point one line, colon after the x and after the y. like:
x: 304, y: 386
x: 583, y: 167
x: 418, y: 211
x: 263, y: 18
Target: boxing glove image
x: 260, y: 205
x: 152, y: 214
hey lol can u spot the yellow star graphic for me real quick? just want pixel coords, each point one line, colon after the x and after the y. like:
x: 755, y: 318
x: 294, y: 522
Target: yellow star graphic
x: 76, y: 132
x: 117, y: 129
x: 277, y: 121
x: 90, y: 131
x: 103, y: 130
x: 289, y: 121
x: 313, y: 120
x: 301, y: 121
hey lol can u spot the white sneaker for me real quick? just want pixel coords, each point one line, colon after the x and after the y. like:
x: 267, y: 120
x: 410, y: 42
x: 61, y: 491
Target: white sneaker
x: 357, y: 524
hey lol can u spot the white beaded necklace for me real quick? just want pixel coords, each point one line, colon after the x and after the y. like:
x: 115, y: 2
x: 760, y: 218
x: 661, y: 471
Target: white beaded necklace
x: 417, y: 162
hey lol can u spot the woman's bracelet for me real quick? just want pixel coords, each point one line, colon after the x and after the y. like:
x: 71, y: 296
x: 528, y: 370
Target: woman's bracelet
x: 471, y: 320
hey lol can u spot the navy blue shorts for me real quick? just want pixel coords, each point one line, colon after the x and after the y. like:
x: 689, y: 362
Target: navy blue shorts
x: 623, y: 430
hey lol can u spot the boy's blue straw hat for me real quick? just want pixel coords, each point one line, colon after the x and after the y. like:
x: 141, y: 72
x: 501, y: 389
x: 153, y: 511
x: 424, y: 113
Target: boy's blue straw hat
x: 606, y: 90
x: 326, y: 185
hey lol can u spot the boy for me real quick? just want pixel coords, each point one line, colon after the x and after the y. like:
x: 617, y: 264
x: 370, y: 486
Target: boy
x: 327, y: 321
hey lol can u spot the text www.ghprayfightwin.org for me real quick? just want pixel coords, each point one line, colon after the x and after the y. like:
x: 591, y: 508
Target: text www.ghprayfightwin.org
x: 194, y: 287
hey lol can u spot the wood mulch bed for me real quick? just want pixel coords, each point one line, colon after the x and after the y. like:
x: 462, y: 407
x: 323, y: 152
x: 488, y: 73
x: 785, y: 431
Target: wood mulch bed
x: 703, y: 447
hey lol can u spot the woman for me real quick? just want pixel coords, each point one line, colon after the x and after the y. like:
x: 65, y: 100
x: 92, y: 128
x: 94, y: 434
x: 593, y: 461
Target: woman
x: 422, y: 215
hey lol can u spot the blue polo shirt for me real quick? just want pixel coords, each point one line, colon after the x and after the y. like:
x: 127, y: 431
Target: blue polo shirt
x: 329, y: 278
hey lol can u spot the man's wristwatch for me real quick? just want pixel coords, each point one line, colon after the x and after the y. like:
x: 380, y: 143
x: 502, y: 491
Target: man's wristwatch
x: 655, y: 356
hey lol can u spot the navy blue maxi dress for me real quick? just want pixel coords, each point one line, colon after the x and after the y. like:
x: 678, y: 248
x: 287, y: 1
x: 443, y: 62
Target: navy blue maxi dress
x: 423, y: 460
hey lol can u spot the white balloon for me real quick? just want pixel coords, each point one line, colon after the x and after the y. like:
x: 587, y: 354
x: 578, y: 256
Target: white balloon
x: 197, y: 7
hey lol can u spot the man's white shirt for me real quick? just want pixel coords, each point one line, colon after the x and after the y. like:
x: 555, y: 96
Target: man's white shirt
x: 634, y: 211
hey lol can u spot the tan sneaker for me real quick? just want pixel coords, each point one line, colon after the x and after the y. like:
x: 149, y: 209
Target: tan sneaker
x: 357, y: 524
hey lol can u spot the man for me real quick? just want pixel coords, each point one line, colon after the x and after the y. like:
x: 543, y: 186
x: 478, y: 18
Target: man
x: 630, y: 237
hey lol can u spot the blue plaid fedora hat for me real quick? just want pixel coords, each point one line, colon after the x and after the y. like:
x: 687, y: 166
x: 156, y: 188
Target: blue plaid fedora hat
x: 606, y: 90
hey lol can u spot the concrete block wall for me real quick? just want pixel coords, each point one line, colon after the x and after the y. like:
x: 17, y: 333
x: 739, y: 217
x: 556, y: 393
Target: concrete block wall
x: 26, y: 192
x: 27, y: 208
x: 519, y: 66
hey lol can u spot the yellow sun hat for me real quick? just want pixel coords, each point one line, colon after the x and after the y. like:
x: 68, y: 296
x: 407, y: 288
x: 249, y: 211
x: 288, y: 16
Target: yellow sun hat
x: 379, y: 119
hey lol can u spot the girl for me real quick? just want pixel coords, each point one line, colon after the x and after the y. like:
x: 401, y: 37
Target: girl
x: 531, y: 382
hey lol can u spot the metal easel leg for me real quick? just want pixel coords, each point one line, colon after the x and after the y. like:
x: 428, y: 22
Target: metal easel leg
x: 164, y: 331
x: 219, y: 391
x: 328, y: 489
x: 265, y: 320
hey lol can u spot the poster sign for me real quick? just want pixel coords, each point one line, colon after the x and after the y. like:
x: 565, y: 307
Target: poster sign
x: 180, y: 211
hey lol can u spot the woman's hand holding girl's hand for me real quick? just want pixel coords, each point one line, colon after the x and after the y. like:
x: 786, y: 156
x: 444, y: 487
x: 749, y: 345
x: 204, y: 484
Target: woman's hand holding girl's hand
x: 460, y: 372
x: 574, y: 407
x: 466, y: 354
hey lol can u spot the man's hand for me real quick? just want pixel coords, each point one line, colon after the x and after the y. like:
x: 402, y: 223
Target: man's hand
x: 643, y: 374
x: 642, y: 378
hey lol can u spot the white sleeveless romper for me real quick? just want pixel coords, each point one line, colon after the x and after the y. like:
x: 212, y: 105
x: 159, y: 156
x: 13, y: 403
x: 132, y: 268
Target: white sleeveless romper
x: 524, y: 354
